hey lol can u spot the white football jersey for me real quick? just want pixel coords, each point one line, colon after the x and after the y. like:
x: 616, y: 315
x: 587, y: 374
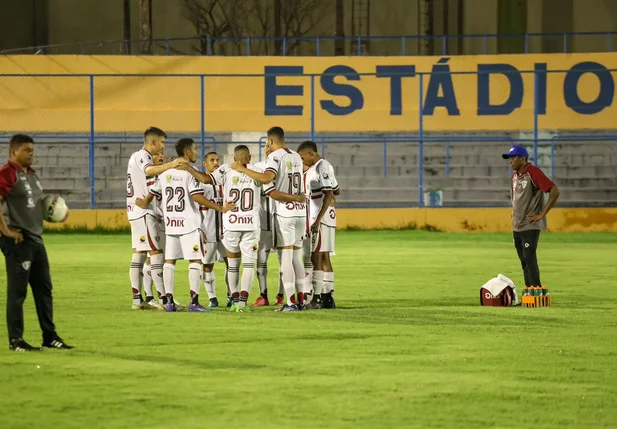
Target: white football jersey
x: 322, y: 179
x: 266, y: 209
x: 182, y: 214
x: 212, y: 223
x: 138, y: 184
x: 245, y: 193
x: 288, y: 168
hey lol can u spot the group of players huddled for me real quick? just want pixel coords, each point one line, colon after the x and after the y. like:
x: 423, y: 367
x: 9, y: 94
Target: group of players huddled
x: 235, y: 213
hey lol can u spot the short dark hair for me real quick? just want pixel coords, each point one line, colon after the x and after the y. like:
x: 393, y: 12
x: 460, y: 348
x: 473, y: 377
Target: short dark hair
x: 18, y: 140
x: 276, y: 132
x: 307, y: 144
x: 242, y: 148
x: 154, y: 131
x: 182, y: 145
x: 210, y: 153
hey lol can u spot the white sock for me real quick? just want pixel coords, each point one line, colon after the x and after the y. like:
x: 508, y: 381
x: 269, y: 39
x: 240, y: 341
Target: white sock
x: 137, y: 265
x: 298, y: 265
x: 328, y: 282
x: 248, y: 275
x: 281, y: 288
x: 233, y: 274
x: 318, y: 282
x: 195, y: 278
x: 289, y: 277
x: 308, y: 276
x: 262, y: 271
x: 210, y: 284
x: 156, y: 262
x: 146, y: 275
x: 169, y: 273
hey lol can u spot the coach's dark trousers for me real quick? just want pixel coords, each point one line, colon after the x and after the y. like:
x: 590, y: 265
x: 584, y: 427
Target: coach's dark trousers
x: 526, y: 243
x: 27, y: 262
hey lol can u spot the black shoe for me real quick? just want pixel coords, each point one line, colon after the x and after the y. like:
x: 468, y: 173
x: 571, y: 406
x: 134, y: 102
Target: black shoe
x: 327, y: 300
x: 56, y: 343
x: 214, y: 303
x: 301, y: 306
x: 19, y: 345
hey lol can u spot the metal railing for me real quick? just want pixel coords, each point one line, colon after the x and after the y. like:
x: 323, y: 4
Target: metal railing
x: 245, y: 45
x: 105, y: 115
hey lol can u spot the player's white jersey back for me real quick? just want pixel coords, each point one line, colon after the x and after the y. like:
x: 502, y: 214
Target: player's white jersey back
x: 288, y: 168
x: 182, y: 214
x: 138, y: 184
x: 322, y: 179
x: 245, y: 193
x: 266, y: 210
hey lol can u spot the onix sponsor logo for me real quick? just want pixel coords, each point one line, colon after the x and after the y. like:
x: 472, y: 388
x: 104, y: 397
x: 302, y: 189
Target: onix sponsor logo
x: 240, y: 220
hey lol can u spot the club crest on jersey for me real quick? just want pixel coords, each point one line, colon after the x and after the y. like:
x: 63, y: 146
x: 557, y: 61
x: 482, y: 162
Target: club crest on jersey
x: 142, y: 239
x: 26, y: 265
x: 168, y: 178
x: 195, y: 248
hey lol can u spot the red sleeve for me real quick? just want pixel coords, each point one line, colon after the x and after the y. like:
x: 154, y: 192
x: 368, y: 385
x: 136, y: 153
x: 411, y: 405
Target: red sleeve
x: 8, y: 177
x: 540, y: 180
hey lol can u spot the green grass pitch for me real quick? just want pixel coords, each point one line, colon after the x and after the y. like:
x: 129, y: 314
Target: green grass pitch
x: 409, y: 345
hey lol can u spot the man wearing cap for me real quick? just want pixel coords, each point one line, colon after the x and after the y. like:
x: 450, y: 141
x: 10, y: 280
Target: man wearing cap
x: 529, y: 184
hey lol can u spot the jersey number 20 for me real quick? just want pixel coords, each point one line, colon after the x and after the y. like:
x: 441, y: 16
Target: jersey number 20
x: 245, y: 197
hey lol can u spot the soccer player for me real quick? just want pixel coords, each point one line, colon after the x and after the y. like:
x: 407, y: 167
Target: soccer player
x: 323, y: 185
x: 284, y: 177
x: 212, y: 227
x: 146, y: 274
x: 529, y: 184
x: 21, y: 225
x: 182, y: 193
x: 145, y: 230
x: 266, y: 244
x: 241, y: 225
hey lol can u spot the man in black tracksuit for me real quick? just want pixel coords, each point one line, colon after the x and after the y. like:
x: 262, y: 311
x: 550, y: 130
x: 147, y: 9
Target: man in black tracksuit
x: 21, y: 225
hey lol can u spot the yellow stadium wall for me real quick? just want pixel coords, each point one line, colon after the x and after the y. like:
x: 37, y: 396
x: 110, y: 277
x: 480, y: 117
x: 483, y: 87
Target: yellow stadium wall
x: 446, y: 219
x: 455, y: 96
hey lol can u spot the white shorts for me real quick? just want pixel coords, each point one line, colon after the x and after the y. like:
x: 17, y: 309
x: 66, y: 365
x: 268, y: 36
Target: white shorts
x: 324, y: 240
x: 189, y: 247
x: 213, y: 252
x: 288, y: 231
x: 146, y: 234
x: 244, y: 242
x: 265, y: 240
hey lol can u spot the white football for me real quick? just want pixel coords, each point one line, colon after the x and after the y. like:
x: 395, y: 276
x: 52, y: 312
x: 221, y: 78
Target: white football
x: 55, y: 209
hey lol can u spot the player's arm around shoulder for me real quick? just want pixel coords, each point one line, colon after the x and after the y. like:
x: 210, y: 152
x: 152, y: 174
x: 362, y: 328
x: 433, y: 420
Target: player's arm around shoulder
x: 155, y: 170
x: 264, y: 177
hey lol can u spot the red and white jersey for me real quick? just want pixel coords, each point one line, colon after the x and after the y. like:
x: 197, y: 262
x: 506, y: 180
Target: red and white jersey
x: 138, y: 184
x: 288, y: 168
x: 266, y: 209
x: 321, y: 179
x: 212, y: 223
x: 245, y: 193
x: 182, y: 215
